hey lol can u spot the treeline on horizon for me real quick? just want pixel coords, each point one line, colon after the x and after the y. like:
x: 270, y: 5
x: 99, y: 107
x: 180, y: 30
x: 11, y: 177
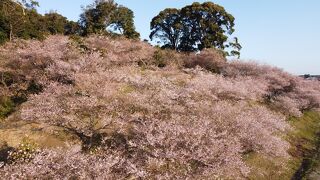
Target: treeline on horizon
x: 192, y: 28
x: 21, y: 20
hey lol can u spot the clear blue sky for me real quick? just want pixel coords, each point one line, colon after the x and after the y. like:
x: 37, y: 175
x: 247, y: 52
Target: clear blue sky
x: 283, y: 33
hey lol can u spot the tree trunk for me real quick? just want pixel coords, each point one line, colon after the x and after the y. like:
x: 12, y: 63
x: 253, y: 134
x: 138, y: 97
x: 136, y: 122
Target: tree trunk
x: 11, y: 34
x: 23, y: 11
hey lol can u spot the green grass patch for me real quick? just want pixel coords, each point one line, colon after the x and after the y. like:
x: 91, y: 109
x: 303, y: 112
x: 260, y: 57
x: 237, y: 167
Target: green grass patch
x: 127, y: 89
x: 304, y: 152
x: 305, y: 141
x: 263, y: 167
x: 6, y: 107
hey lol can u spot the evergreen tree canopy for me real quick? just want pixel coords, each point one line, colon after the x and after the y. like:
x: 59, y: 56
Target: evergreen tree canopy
x: 72, y: 28
x: 55, y: 23
x: 167, y: 27
x: 20, y: 19
x: 12, y: 18
x: 102, y: 16
x: 194, y: 28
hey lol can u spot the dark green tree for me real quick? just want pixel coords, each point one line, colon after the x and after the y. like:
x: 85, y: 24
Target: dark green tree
x: 15, y: 18
x: 236, y: 47
x: 34, y: 26
x: 20, y: 19
x: 71, y: 28
x: 4, y: 29
x: 55, y: 23
x: 209, y: 25
x: 96, y: 17
x: 194, y: 27
x: 12, y: 18
x: 122, y: 21
x: 167, y: 27
x: 103, y: 16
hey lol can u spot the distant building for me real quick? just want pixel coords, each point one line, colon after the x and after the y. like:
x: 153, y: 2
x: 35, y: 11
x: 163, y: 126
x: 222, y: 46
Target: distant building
x: 311, y: 77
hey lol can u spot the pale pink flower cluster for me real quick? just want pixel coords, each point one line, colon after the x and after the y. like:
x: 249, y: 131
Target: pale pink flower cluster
x: 290, y: 94
x: 54, y: 165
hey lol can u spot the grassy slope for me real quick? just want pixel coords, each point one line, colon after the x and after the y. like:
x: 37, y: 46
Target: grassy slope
x: 305, y: 142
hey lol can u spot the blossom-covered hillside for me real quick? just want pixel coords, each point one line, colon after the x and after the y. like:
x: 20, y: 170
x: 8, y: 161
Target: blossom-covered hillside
x: 123, y: 109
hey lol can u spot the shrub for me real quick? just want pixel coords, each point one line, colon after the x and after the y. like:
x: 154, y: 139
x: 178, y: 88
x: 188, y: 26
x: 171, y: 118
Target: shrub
x: 4, y: 153
x: 210, y: 60
x: 159, y: 59
x: 6, y: 106
x: 25, y: 152
x: 119, y: 51
x: 3, y: 37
